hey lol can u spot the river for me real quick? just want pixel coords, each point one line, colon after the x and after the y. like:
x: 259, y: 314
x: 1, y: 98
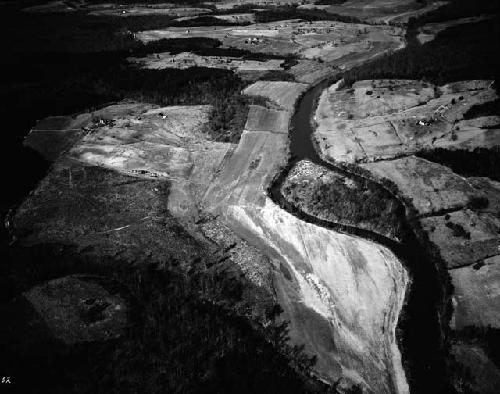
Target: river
x: 420, y: 335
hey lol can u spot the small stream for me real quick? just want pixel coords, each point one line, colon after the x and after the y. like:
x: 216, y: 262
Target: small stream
x: 419, y: 331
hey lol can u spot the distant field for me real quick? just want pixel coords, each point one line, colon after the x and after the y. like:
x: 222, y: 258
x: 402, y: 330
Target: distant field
x: 463, y: 52
x: 377, y: 11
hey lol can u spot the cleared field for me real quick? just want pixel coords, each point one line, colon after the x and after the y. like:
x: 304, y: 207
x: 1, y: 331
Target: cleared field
x: 310, y: 71
x: 185, y: 60
x: 326, y: 282
x: 245, y: 175
x: 144, y: 141
x: 282, y: 94
x: 431, y: 187
x: 126, y: 11
x: 261, y: 152
x: 464, y: 237
x: 237, y: 18
x: 342, y: 295
x: 380, y: 124
x: 230, y: 4
x: 321, y: 47
x: 118, y: 10
x: 325, y: 40
x: 383, y: 119
x: 477, y: 295
x: 266, y: 119
x: 379, y: 11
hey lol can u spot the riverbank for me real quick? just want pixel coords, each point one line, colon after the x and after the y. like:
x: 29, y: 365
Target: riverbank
x: 453, y: 214
x: 216, y: 204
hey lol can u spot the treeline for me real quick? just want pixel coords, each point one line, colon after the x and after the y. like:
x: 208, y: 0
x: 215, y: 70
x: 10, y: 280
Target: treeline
x: 208, y: 20
x: 185, y: 337
x: 479, y: 162
x: 65, y: 83
x: 458, y: 53
x: 205, y: 46
x: 456, y: 9
x: 367, y: 204
x: 362, y: 204
x: 485, y: 109
x: 330, y: 2
x: 190, y: 3
x: 75, y: 32
x: 194, y: 319
x: 177, y: 45
x: 292, y: 12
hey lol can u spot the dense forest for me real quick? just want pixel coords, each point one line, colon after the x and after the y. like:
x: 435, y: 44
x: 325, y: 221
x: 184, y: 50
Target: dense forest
x: 456, y: 9
x: 183, y: 339
x: 179, y: 342
x: 189, y: 328
x: 462, y: 52
x: 273, y: 14
x: 478, y: 162
x: 361, y: 204
x: 175, y: 324
x: 62, y: 64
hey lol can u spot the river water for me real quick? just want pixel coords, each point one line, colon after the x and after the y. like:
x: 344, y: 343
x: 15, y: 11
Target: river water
x: 419, y: 333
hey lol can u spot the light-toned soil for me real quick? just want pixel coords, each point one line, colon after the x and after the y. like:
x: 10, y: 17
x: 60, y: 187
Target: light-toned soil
x: 342, y: 294
x: 280, y: 93
x: 147, y: 142
x: 267, y: 119
x: 321, y: 46
x: 218, y: 189
x: 243, y: 178
x: 461, y: 215
x: 310, y: 71
x: 262, y: 151
x: 326, y: 282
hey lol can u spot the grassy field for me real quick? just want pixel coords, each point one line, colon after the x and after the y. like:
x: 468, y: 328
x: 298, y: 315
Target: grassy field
x: 67, y: 63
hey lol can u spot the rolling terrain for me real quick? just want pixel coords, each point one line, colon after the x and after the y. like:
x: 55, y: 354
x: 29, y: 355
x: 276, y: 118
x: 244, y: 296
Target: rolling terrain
x: 254, y: 197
